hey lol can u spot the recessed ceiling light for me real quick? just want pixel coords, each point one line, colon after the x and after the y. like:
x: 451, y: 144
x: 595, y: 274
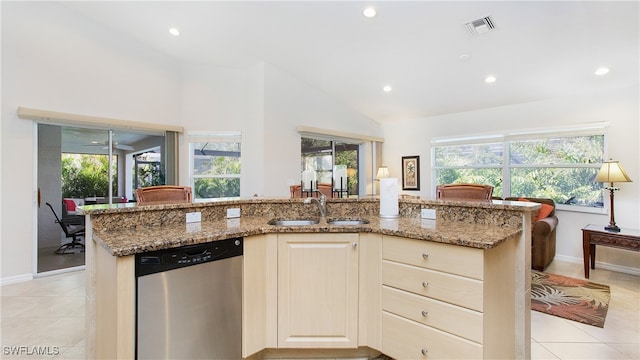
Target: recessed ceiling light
x: 464, y: 57
x: 602, y: 71
x: 387, y: 88
x: 174, y: 31
x: 490, y: 79
x: 369, y: 12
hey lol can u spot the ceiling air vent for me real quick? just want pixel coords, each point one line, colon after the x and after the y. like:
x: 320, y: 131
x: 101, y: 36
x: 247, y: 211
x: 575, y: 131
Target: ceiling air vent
x: 480, y: 26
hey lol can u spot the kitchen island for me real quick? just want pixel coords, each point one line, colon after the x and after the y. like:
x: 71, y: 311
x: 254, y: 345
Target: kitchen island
x: 477, y: 259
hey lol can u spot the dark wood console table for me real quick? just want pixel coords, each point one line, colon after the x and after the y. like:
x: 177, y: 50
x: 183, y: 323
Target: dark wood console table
x: 592, y: 235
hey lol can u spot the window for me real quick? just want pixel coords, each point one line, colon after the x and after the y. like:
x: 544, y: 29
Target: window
x: 87, y: 175
x: 560, y: 165
x: 470, y: 163
x: 215, y: 165
x: 147, y: 170
x: 324, y: 155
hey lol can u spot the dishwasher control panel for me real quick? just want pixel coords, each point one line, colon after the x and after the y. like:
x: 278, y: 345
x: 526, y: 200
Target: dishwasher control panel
x: 168, y: 259
x: 188, y: 259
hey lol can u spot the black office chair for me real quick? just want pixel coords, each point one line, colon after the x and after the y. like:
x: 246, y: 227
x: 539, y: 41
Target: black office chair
x: 73, y: 227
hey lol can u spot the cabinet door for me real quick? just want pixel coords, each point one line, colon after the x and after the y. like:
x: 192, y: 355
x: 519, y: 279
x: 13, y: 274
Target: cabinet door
x: 317, y: 290
x: 259, y: 288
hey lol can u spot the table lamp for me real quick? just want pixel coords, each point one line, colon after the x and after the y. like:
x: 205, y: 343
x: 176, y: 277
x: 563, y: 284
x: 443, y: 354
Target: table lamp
x: 383, y: 173
x: 611, y: 172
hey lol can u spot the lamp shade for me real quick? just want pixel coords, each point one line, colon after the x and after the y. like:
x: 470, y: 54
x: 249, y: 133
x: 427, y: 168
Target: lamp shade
x: 611, y: 171
x: 383, y: 173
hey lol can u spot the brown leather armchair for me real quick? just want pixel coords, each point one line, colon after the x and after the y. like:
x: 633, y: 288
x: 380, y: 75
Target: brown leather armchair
x: 543, y: 235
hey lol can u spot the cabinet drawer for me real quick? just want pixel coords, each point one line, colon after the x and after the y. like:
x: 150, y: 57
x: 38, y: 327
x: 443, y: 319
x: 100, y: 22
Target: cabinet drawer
x: 405, y: 339
x: 450, y: 318
x: 453, y: 289
x: 459, y: 260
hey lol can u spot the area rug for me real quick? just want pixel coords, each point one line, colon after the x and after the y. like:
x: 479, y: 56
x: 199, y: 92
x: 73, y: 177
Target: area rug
x: 574, y: 299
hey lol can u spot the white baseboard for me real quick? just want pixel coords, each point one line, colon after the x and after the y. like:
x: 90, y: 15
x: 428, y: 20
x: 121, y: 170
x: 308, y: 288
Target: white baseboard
x: 600, y: 265
x: 15, y: 279
x: 27, y: 277
x: 60, y: 271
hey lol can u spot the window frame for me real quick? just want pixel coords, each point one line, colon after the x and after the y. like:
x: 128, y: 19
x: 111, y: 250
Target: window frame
x: 213, y: 137
x: 335, y: 142
x: 593, y: 129
x: 136, y: 168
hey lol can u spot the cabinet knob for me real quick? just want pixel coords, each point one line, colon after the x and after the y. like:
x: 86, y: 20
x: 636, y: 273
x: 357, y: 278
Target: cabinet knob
x: 424, y: 352
x: 425, y: 313
x: 355, y: 245
x: 425, y: 256
x: 425, y: 284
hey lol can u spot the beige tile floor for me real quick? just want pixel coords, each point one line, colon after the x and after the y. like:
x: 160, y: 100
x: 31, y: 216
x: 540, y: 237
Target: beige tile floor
x: 48, y: 260
x: 556, y: 338
x: 49, y: 312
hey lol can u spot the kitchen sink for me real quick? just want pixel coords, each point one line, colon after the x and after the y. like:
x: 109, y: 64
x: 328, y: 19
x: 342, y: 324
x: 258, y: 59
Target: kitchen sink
x: 293, y: 222
x: 343, y: 222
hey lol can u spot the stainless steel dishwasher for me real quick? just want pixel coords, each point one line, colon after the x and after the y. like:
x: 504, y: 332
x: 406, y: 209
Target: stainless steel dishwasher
x: 189, y: 302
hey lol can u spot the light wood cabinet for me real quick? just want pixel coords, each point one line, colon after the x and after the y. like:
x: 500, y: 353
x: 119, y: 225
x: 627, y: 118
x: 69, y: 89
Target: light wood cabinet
x: 341, y: 295
x: 446, y: 258
x: 437, y: 285
x: 444, y: 301
x: 318, y: 290
x: 438, y: 314
x: 404, y: 339
x: 370, y: 301
x: 259, y: 289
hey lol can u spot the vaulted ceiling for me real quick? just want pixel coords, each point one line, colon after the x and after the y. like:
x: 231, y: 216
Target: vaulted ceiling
x: 421, y: 49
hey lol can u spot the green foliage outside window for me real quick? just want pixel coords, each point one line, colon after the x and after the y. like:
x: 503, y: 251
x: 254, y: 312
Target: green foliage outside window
x: 86, y: 175
x: 147, y: 170
x: 216, y: 170
x: 560, y: 168
x: 149, y: 175
x: 318, y: 155
x: 490, y: 176
x: 217, y: 188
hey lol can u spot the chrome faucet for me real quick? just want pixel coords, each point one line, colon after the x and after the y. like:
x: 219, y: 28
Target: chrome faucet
x: 322, y: 203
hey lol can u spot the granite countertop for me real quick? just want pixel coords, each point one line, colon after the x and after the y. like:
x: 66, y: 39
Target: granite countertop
x: 142, y: 239
x: 133, y: 207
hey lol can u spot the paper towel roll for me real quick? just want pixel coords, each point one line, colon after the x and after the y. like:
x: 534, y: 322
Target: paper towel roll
x: 389, y: 198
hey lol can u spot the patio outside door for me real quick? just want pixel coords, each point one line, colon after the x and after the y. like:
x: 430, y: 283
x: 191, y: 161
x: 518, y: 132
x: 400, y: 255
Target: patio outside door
x: 74, y: 163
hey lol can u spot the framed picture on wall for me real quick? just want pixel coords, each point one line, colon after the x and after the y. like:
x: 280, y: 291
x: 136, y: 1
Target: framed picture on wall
x: 411, y: 173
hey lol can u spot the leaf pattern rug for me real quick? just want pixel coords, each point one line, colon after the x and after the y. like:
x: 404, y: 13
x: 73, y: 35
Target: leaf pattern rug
x: 574, y: 299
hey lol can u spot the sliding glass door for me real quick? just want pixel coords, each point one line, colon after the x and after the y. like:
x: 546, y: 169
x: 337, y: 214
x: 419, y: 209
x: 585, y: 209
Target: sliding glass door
x: 83, y: 166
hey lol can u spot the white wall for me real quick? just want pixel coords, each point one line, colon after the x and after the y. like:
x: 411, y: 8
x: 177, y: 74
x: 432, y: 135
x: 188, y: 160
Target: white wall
x: 266, y: 105
x: 289, y: 103
x: 618, y: 107
x: 53, y: 60
x: 213, y: 99
x: 68, y: 64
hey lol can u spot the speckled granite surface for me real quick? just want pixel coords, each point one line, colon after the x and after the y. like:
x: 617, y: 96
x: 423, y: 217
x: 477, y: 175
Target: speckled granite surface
x: 126, y: 229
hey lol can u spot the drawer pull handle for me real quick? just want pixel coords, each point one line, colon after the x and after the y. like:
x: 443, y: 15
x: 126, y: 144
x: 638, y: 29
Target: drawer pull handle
x: 425, y: 313
x: 424, y: 352
x: 425, y: 256
x: 425, y: 284
x: 355, y: 245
